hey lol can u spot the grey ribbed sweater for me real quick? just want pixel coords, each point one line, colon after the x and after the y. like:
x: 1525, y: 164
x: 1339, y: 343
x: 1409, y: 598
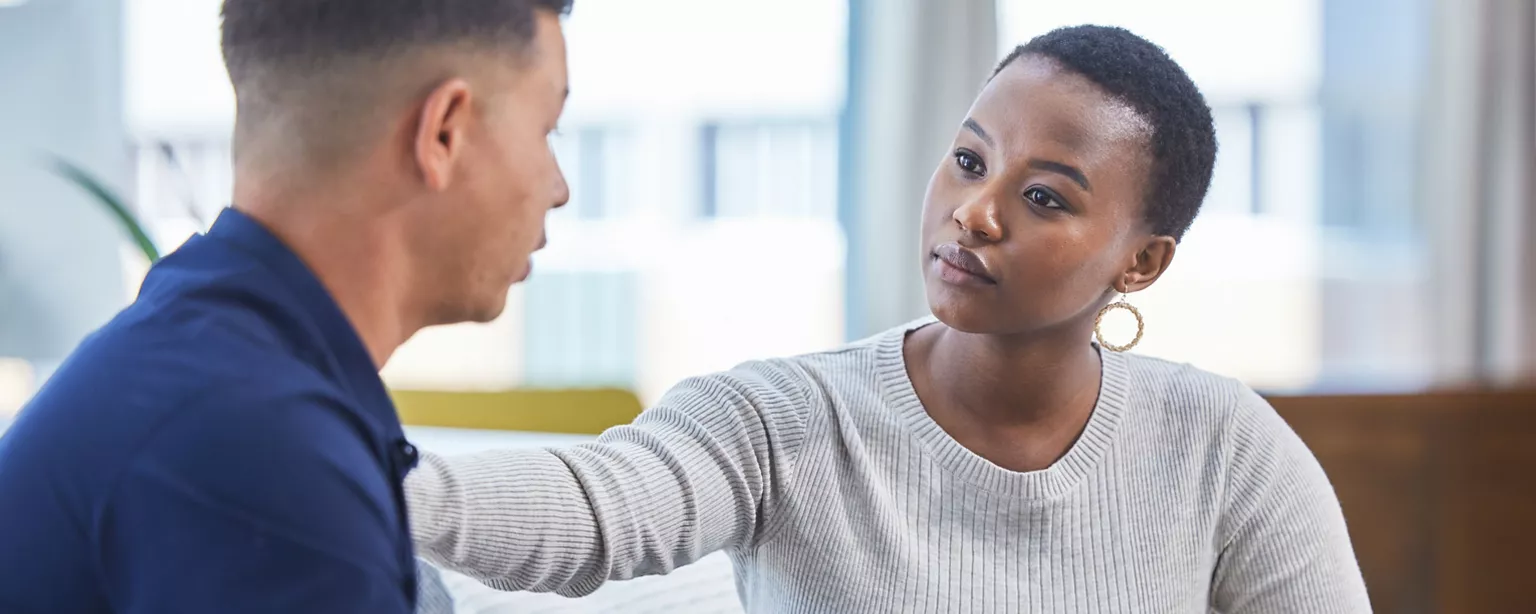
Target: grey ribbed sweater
x: 832, y: 490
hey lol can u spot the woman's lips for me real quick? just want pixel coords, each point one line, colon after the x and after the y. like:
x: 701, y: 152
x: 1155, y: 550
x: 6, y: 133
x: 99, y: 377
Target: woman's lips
x: 960, y: 265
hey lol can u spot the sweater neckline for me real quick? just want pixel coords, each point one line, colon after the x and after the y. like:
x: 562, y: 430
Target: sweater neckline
x: 1056, y: 480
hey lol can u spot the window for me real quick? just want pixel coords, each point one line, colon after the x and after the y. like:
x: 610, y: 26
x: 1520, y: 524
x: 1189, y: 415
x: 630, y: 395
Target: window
x: 770, y: 168
x: 690, y: 172
x: 1308, y: 228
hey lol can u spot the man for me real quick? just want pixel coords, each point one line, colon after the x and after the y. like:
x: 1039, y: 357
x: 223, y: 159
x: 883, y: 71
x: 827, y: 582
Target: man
x: 225, y: 443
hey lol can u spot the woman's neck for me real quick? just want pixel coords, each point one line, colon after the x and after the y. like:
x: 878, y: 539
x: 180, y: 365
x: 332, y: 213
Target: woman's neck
x: 1012, y: 380
x: 1020, y: 403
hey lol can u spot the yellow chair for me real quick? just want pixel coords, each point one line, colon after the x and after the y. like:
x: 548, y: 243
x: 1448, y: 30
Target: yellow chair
x: 576, y: 411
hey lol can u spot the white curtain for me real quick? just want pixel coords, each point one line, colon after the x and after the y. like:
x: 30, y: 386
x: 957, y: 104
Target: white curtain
x: 1476, y: 180
x: 915, y: 66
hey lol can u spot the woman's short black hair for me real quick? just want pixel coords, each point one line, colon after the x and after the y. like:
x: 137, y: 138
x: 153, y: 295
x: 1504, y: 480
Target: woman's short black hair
x: 1134, y: 71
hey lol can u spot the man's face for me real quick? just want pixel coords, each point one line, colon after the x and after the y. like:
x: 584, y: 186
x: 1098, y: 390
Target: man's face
x: 504, y: 183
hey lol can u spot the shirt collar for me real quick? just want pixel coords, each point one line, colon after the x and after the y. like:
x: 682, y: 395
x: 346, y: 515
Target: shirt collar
x: 338, y: 342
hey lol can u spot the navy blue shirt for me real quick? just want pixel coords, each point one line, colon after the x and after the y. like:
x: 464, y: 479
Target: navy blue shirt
x: 222, y: 445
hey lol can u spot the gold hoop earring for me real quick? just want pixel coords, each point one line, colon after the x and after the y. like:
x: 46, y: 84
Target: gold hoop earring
x: 1098, y: 333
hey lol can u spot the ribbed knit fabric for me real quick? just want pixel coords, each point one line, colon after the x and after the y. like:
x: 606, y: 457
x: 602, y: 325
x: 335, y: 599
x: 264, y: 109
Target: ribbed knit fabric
x: 432, y: 596
x: 833, y: 491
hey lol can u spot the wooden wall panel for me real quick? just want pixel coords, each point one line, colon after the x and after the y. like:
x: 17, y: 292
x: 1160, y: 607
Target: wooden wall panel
x: 1439, y: 491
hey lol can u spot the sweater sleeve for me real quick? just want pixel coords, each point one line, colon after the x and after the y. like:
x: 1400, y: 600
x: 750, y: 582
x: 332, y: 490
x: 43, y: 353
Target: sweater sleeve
x: 1286, y: 546
x: 695, y: 474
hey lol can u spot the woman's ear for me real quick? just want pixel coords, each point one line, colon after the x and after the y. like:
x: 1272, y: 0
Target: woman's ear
x: 1151, y: 262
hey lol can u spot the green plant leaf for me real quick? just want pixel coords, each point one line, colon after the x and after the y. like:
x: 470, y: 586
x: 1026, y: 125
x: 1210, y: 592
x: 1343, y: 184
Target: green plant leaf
x: 112, y: 202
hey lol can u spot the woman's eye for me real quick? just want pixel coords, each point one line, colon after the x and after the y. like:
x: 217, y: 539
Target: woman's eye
x: 1042, y: 198
x: 968, y: 162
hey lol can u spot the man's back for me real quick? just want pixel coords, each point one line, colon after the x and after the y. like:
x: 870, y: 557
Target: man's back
x: 224, y: 444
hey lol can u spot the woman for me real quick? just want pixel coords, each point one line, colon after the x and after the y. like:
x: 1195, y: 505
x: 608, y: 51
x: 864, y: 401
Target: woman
x: 991, y: 459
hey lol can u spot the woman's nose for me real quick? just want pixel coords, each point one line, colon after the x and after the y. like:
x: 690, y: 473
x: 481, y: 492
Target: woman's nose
x: 979, y: 217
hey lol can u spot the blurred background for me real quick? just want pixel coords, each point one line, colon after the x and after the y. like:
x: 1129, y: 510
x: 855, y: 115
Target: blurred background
x: 746, y: 179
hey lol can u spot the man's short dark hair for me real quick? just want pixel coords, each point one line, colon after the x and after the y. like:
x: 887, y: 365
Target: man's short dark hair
x: 310, y: 76
x: 1140, y: 74
x: 264, y: 33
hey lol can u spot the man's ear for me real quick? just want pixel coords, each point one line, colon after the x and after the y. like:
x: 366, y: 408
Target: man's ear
x: 440, y: 132
x: 1151, y: 262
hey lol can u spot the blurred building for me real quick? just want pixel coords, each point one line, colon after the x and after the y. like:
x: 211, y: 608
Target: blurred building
x: 702, y: 146
x: 702, y: 153
x: 738, y: 192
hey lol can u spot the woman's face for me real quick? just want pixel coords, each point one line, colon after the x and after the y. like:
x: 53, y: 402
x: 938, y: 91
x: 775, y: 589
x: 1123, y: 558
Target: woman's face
x: 1036, y: 214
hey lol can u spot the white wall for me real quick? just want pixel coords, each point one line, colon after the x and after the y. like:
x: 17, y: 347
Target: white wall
x: 60, y: 93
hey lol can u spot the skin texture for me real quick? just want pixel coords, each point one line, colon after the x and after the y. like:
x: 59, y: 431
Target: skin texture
x: 434, y: 212
x: 1041, y: 197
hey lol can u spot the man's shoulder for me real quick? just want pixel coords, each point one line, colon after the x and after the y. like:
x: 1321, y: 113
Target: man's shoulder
x: 191, y: 421
x: 186, y: 365
x: 259, y: 429
x: 184, y: 355
x: 204, y: 317
x: 109, y: 404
